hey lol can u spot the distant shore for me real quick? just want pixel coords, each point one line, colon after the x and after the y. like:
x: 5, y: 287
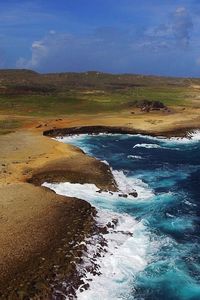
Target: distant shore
x: 60, y: 132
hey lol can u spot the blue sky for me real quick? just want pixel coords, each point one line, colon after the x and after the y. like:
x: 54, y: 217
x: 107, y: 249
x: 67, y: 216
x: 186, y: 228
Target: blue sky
x: 119, y: 36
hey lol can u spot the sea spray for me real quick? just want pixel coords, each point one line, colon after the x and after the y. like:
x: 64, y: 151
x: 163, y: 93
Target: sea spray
x: 166, y: 220
x: 109, y: 268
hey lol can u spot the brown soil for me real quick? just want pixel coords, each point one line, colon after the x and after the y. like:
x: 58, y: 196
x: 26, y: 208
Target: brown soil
x: 37, y: 224
x: 37, y: 227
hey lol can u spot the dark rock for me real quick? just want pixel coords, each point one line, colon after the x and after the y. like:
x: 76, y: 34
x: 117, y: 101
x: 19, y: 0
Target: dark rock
x: 103, y: 230
x: 85, y: 286
x: 148, y: 106
x: 115, y: 221
x: 123, y: 195
x: 134, y: 194
x: 110, y: 225
x: 126, y: 232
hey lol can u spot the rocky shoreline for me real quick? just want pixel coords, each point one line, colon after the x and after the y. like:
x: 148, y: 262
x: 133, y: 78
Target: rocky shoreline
x: 44, y: 272
x: 41, y: 232
x: 59, y: 132
x: 42, y: 275
x: 92, y: 171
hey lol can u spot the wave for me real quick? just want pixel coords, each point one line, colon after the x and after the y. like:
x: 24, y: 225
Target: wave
x: 77, y: 140
x: 105, y: 162
x: 69, y: 138
x: 148, y: 146
x: 126, y: 253
x: 90, y: 192
x: 192, y: 136
x: 161, y: 142
x: 139, y: 255
x: 117, y: 256
x: 195, y: 135
x: 127, y: 184
x: 134, y: 157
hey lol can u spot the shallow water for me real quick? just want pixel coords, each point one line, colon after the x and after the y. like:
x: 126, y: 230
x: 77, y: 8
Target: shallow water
x: 154, y: 251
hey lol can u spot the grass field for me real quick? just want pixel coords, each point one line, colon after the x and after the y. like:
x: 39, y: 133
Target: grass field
x: 32, y: 94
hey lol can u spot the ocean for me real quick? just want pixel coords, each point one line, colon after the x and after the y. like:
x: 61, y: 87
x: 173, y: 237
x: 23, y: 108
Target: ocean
x: 152, y: 249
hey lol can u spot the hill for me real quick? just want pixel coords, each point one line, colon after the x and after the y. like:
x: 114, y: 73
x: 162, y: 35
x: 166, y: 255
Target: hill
x: 28, y: 93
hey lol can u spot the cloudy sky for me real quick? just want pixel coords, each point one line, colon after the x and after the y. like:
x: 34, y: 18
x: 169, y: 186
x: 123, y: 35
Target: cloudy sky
x: 119, y: 36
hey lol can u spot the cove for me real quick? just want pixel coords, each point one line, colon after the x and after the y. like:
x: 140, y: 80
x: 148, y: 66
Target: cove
x: 153, y: 251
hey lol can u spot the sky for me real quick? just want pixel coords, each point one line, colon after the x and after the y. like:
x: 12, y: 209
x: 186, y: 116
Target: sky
x: 159, y: 37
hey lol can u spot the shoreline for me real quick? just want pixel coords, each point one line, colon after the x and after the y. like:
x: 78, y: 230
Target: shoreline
x: 38, y: 265
x: 98, y: 129
x: 52, y: 220
x: 55, y: 162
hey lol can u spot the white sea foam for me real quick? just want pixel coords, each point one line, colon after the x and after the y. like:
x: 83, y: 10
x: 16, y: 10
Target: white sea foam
x: 77, y: 140
x: 105, y: 162
x: 127, y: 184
x: 148, y: 146
x: 128, y: 252
x: 130, y: 246
x: 167, y: 143
x: 134, y: 157
x: 70, y: 137
x: 189, y: 203
x: 90, y: 192
x: 193, y: 136
x: 84, y: 191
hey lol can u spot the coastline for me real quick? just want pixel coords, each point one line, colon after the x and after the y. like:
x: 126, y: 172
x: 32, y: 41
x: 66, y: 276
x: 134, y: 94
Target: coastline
x: 37, y: 254
x: 36, y: 223
x: 59, y: 132
x: 49, y: 160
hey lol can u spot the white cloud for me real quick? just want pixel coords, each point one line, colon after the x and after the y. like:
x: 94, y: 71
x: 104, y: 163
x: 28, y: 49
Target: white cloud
x: 40, y: 50
x: 182, y: 26
x: 176, y: 32
x: 110, y: 48
x: 181, y: 11
x: 52, y: 31
x: 70, y: 51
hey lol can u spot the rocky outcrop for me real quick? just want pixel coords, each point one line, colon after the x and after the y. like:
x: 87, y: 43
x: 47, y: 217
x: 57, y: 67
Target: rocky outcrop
x: 147, y: 106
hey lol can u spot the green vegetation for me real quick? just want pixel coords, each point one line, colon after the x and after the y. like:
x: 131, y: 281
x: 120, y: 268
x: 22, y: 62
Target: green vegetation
x: 25, y: 92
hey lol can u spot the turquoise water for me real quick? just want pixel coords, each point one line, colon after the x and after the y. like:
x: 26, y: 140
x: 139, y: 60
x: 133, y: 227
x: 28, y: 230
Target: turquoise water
x: 166, y: 216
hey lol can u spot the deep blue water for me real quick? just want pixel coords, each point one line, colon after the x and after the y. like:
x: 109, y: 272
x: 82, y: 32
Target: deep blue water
x: 171, y: 169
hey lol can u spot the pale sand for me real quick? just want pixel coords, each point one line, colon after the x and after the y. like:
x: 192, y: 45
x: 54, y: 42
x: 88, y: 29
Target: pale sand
x: 153, y: 122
